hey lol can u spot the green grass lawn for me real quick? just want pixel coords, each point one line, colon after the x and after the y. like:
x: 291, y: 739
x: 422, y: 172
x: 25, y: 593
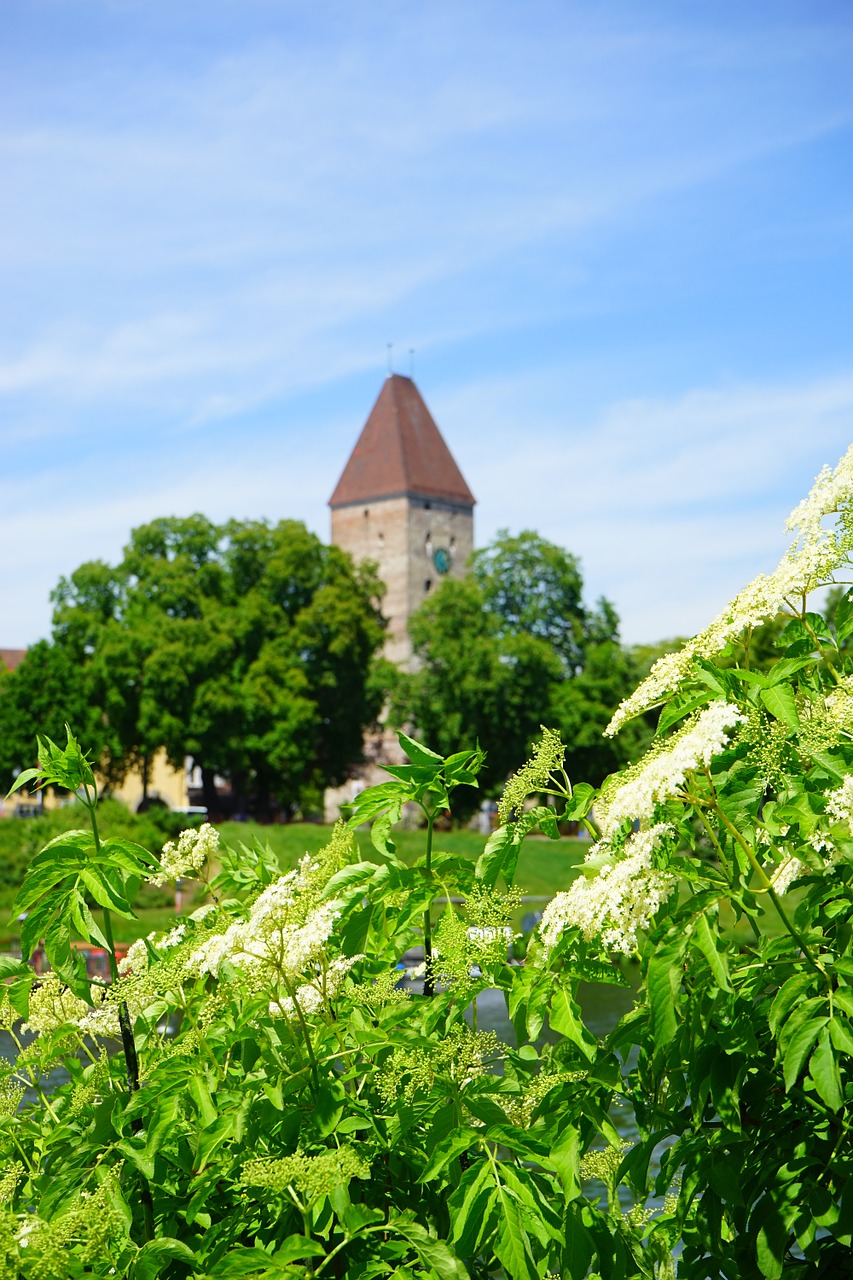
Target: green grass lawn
x: 545, y: 867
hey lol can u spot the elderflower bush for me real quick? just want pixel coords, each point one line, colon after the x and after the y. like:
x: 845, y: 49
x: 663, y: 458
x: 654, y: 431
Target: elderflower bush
x: 281, y: 1104
x: 312, y: 1115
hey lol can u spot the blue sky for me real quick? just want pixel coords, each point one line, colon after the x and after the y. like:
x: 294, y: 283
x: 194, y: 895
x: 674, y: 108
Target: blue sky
x: 618, y: 236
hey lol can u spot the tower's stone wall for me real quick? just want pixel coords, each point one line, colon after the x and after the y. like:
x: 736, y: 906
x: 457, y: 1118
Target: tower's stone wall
x: 401, y: 535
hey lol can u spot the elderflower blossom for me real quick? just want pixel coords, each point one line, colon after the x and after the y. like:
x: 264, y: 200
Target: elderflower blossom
x: 788, y: 870
x: 660, y: 773
x: 283, y: 931
x: 620, y: 900
x: 534, y: 776
x: 52, y: 1006
x: 839, y: 803
x: 809, y: 562
x: 308, y: 998
x: 187, y: 855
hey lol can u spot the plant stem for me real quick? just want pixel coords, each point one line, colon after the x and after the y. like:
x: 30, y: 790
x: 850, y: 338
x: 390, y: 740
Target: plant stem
x: 128, y: 1044
x: 429, y: 980
x: 771, y: 892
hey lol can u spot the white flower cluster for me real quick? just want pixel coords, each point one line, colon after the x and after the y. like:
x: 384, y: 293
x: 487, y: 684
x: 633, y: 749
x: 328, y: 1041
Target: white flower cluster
x: 808, y: 563
x: 52, y: 1006
x: 136, y: 959
x: 187, y: 855
x: 839, y: 803
x: 660, y: 773
x: 788, y: 870
x: 309, y: 996
x: 279, y: 934
x: 620, y: 900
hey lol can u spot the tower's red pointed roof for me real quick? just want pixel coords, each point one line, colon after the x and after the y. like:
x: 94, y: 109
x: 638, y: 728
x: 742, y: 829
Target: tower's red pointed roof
x: 400, y: 451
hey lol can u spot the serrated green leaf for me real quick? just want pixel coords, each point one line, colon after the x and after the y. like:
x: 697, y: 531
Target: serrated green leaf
x: 788, y: 995
x: 417, y: 752
x: 678, y: 708
x: 565, y: 1158
x: 664, y: 982
x: 841, y: 1035
x: 823, y: 1069
x: 780, y: 702
x: 799, y: 1048
x: 513, y: 1246
x: 707, y: 944
x: 156, y: 1254
x: 434, y: 1254
x: 329, y: 1100
x: 565, y: 1017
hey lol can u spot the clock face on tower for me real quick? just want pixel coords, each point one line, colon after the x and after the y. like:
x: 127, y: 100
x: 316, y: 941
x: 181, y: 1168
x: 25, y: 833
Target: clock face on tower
x: 441, y: 559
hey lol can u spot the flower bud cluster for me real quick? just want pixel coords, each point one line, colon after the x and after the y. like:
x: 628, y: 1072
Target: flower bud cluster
x: 52, y: 1005
x: 186, y: 856
x: 312, y: 1176
x: 534, y: 776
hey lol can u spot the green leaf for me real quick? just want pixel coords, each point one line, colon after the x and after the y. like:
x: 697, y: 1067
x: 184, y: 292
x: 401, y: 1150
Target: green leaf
x: 566, y: 1019
x: 156, y: 1254
x: 329, y: 1105
x: 841, y: 1035
x: 844, y: 617
x: 460, y: 1141
x: 580, y: 803
x: 22, y: 780
x: 11, y: 966
x: 787, y: 667
x: 788, y: 995
x: 417, y: 752
x: 380, y: 832
x: 513, y: 1246
x: 434, y: 1254
x: 772, y: 1241
x: 664, y: 982
x: 799, y: 1048
x: 565, y: 1158
x: 780, y: 702
x: 707, y: 944
x: 823, y: 1069
x: 678, y: 708
x: 200, y: 1093
x: 469, y: 1204
x: 491, y: 861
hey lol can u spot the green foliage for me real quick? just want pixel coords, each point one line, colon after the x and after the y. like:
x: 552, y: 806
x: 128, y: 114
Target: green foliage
x: 513, y: 645
x: 311, y: 1118
x: 307, y: 1118
x: 244, y: 646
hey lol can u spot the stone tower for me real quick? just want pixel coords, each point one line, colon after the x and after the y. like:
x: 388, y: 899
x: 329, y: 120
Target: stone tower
x: 403, y: 502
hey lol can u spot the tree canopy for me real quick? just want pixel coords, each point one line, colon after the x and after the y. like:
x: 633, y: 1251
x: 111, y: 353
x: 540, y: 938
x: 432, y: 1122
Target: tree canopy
x: 511, y: 647
x: 244, y: 646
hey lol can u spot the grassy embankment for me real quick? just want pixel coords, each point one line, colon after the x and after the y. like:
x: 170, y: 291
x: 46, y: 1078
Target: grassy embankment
x: 545, y: 866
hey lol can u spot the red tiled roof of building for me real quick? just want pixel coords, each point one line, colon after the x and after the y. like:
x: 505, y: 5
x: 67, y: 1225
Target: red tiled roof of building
x: 11, y: 658
x: 400, y: 451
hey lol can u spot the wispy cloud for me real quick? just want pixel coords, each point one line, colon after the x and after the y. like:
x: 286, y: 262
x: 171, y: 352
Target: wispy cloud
x: 215, y: 216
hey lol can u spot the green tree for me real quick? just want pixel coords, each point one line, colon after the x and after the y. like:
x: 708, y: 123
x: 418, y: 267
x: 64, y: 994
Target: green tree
x: 244, y: 646
x: 512, y: 646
